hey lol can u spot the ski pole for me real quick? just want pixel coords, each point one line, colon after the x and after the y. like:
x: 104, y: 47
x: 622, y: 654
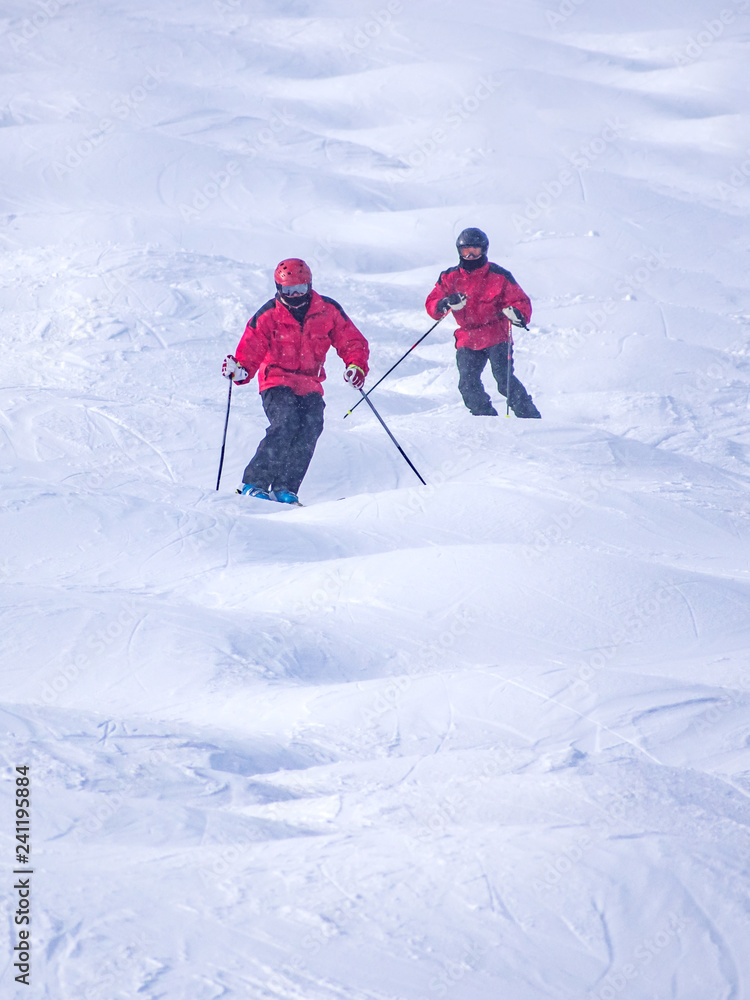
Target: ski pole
x: 395, y: 366
x: 224, y: 439
x: 510, y: 361
x: 507, y: 386
x: 385, y: 428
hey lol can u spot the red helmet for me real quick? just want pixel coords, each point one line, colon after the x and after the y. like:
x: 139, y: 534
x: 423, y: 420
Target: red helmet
x: 292, y: 271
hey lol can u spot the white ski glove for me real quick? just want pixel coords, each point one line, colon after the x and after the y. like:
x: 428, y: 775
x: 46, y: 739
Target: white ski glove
x: 354, y: 376
x: 511, y: 313
x: 231, y: 368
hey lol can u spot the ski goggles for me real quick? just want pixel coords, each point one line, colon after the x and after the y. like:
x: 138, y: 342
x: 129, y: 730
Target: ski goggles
x: 295, y: 289
x: 470, y: 253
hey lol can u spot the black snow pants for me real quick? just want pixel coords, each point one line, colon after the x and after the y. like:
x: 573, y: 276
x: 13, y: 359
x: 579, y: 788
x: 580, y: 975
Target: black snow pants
x: 285, y: 453
x: 470, y: 367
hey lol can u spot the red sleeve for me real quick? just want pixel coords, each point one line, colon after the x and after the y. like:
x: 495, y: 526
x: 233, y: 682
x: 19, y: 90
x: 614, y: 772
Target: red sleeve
x: 351, y: 346
x: 513, y: 295
x: 437, y: 293
x: 253, y: 345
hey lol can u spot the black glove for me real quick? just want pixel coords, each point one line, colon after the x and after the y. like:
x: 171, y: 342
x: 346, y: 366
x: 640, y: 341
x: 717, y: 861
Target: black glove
x: 454, y: 301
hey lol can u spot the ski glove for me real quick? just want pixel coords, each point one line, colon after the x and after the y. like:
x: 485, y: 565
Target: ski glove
x: 231, y: 368
x: 354, y: 376
x: 454, y: 301
x: 511, y: 313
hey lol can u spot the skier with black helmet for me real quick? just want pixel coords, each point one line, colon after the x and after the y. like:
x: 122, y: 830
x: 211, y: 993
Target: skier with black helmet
x: 285, y: 343
x: 486, y: 300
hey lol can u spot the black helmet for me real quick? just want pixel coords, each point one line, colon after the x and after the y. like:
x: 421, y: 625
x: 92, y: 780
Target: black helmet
x: 473, y: 237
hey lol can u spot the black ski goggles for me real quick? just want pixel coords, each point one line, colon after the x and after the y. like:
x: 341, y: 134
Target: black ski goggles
x: 470, y: 253
x: 295, y: 289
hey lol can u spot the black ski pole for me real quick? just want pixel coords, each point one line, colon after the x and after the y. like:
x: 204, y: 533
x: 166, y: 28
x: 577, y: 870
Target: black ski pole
x: 394, y: 366
x: 385, y: 428
x: 224, y: 439
x: 510, y: 360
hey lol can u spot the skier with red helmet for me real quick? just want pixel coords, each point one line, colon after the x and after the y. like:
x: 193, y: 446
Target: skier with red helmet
x: 486, y: 300
x: 286, y: 343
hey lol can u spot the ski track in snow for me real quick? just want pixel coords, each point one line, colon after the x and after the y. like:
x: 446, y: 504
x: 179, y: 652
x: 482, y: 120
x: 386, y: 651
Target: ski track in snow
x: 485, y: 738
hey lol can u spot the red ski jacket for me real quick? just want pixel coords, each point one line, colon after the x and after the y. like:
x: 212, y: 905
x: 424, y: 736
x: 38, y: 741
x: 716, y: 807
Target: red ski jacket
x: 284, y: 351
x: 488, y: 291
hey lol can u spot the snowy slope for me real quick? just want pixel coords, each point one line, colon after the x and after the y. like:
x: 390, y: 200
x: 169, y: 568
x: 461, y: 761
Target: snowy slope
x: 483, y: 739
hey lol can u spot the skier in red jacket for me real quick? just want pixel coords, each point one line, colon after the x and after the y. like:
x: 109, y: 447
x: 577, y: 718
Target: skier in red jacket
x: 286, y: 342
x: 485, y: 300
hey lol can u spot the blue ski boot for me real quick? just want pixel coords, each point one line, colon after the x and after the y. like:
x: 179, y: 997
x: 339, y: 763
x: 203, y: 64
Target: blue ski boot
x: 285, y: 496
x: 248, y: 490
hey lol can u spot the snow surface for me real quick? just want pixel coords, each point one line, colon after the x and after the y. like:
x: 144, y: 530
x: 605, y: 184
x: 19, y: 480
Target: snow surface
x: 486, y: 739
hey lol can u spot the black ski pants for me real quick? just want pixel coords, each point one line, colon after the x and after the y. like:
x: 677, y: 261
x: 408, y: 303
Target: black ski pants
x: 471, y: 364
x: 285, y: 453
